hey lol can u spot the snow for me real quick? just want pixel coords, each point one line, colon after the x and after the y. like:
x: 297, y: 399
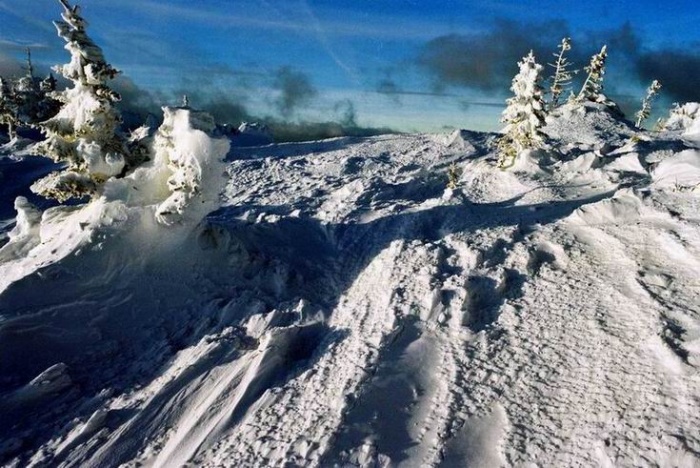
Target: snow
x: 685, y: 120
x: 330, y: 303
x: 194, y: 162
x: 524, y: 114
x: 27, y: 219
x: 680, y: 170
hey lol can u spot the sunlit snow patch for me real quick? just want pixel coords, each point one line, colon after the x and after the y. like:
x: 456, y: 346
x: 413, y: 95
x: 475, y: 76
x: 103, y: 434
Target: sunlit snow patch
x: 678, y: 171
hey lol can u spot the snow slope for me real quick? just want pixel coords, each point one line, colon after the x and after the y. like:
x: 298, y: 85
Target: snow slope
x: 341, y: 308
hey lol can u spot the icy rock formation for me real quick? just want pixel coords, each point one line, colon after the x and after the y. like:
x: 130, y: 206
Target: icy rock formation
x: 192, y: 159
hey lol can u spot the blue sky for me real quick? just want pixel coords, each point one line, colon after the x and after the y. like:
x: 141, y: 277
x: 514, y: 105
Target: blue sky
x: 410, y: 65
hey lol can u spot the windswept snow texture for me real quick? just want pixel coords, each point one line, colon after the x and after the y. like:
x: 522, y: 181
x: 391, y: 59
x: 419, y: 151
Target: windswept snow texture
x: 342, y: 308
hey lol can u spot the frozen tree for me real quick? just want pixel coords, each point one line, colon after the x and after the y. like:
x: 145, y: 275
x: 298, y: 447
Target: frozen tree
x: 645, y: 111
x: 27, y: 100
x: 453, y: 174
x: 29, y: 96
x: 592, y: 89
x: 29, y: 67
x: 84, y: 134
x: 192, y: 159
x: 48, y: 84
x: 524, y: 114
x: 8, y: 107
x: 683, y: 118
x: 562, y: 74
x: 47, y: 105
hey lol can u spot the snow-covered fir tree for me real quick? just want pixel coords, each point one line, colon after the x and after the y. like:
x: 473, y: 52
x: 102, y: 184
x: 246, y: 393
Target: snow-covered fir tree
x: 47, y: 106
x: 186, y: 150
x: 524, y: 114
x: 85, y: 132
x: 592, y: 89
x: 645, y: 111
x: 33, y: 104
x: 8, y: 107
x: 682, y: 118
x: 48, y: 84
x: 27, y: 100
x: 562, y: 73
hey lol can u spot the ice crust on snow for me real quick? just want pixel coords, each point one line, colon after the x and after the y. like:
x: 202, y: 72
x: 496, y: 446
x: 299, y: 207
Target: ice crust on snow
x: 331, y: 304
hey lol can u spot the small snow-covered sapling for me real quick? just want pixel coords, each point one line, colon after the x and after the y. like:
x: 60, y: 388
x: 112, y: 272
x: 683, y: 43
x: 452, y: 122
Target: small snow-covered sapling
x: 524, y: 115
x: 645, y: 111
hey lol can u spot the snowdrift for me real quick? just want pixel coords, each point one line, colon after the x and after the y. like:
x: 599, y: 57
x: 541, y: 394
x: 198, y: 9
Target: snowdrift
x: 331, y: 304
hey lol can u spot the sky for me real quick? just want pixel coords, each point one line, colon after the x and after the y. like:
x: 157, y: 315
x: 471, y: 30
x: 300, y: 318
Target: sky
x: 405, y: 65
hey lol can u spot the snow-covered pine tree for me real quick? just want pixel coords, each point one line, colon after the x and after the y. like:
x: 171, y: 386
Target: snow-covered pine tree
x: 592, y: 89
x: 48, y: 106
x: 562, y: 74
x: 48, y: 84
x: 8, y: 108
x: 85, y: 132
x: 30, y: 66
x: 28, y: 95
x: 524, y: 114
x: 645, y: 111
x: 185, y: 148
x: 682, y: 118
x: 27, y: 100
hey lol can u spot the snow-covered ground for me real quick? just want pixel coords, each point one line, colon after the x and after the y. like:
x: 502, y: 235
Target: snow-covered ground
x: 342, y: 308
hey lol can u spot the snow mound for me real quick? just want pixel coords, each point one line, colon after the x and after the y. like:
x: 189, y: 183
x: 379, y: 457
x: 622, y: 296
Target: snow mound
x: 27, y: 221
x: 592, y: 124
x: 461, y: 140
x: 623, y: 208
x: 685, y: 119
x: 61, y: 231
x: 678, y: 171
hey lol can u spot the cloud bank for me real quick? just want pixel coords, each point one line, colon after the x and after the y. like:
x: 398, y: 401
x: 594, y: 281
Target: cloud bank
x: 486, y: 61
